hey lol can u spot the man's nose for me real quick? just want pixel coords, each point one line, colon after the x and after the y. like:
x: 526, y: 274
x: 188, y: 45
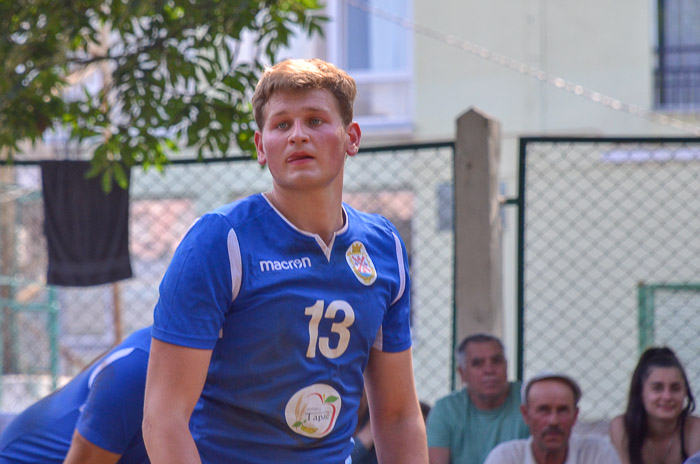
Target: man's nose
x: 553, y: 418
x: 298, y: 133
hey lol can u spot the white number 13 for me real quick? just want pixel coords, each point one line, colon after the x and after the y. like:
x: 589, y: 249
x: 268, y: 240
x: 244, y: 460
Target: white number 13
x: 341, y: 328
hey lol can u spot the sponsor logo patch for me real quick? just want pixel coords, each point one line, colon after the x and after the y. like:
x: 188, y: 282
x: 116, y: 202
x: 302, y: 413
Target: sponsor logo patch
x: 289, y: 265
x: 361, y: 264
x: 313, y: 410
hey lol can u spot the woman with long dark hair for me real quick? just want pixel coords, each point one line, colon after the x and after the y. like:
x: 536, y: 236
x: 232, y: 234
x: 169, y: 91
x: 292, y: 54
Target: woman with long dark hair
x: 657, y: 427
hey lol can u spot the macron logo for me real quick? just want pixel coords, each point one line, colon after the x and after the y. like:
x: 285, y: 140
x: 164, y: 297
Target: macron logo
x: 299, y: 263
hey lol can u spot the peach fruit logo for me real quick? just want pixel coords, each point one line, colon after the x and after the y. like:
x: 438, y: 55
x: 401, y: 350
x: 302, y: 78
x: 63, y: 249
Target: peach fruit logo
x: 313, y: 410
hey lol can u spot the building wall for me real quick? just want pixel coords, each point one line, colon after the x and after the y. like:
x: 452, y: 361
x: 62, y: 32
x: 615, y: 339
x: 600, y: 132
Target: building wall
x: 605, y: 46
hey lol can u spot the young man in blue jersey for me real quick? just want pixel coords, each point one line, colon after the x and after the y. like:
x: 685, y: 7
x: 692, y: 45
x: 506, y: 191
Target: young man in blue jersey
x: 94, y: 419
x: 275, y: 307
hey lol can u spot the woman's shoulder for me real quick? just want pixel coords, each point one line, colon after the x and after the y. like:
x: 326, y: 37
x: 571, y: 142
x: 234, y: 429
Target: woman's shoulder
x: 617, y: 430
x: 692, y: 424
x: 692, y: 427
x: 617, y: 423
x: 618, y: 437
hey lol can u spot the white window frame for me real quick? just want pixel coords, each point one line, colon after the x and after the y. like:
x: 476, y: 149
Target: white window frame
x: 400, y: 123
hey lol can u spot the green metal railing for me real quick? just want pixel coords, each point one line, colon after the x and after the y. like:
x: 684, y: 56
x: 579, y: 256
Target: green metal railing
x: 406, y: 183
x: 597, y: 216
x: 50, y: 307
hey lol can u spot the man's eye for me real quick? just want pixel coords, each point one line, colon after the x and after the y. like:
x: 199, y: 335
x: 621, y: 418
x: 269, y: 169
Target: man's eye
x: 316, y: 121
x: 282, y: 125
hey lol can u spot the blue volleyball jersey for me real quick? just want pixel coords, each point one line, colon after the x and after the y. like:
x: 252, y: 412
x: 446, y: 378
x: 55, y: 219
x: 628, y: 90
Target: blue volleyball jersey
x: 290, y: 321
x: 104, y: 402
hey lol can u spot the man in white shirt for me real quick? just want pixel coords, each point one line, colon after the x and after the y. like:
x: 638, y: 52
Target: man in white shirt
x: 550, y: 408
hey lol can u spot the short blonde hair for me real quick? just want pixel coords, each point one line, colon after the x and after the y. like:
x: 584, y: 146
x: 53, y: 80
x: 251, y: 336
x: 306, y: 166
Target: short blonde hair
x: 305, y: 75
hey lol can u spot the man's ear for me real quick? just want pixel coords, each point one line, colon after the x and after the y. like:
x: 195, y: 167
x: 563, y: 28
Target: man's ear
x: 523, y: 411
x: 354, y: 135
x: 262, y: 158
x: 460, y: 371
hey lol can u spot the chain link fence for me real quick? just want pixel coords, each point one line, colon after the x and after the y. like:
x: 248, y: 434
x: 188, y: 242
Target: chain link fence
x: 50, y: 333
x: 610, y: 256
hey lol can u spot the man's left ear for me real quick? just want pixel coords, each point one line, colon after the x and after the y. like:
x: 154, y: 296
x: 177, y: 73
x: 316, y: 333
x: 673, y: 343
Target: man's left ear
x: 354, y: 135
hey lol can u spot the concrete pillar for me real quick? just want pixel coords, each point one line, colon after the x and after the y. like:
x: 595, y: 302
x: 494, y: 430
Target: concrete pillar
x: 478, y: 280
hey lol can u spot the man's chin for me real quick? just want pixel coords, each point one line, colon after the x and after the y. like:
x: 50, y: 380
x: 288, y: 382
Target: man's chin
x: 493, y: 391
x: 553, y: 442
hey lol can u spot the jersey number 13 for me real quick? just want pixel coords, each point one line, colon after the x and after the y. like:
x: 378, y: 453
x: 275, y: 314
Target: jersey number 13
x: 317, y: 311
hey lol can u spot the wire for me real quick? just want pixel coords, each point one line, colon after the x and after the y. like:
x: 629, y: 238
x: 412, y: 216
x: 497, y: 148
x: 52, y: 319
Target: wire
x: 530, y: 71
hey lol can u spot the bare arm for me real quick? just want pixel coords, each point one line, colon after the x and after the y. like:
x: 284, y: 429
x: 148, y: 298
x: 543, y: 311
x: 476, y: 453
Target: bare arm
x: 175, y: 379
x: 82, y: 451
x: 397, y: 423
x: 618, y: 438
x: 439, y: 455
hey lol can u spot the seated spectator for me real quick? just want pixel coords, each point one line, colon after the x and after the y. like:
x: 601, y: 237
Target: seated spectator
x: 465, y: 425
x: 657, y: 425
x: 95, y: 418
x: 364, y: 452
x: 550, y: 408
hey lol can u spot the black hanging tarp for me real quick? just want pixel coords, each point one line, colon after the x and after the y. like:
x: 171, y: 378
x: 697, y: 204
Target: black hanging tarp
x: 87, y: 231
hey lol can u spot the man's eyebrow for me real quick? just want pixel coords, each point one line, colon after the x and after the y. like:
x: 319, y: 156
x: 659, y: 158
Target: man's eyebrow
x: 306, y: 109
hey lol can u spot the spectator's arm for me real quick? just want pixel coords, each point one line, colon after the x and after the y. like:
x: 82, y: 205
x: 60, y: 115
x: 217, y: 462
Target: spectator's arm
x: 439, y: 455
x: 397, y: 422
x: 82, y: 451
x: 175, y: 379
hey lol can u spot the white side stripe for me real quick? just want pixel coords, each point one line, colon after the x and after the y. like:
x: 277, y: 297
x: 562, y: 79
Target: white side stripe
x: 402, y: 273
x: 234, y: 259
x: 107, y: 361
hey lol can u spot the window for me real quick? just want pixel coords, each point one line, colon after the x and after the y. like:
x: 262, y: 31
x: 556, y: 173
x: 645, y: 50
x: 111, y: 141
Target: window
x: 364, y: 40
x: 678, y: 55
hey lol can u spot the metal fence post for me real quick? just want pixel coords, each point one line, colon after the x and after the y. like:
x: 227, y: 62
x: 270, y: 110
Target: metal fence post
x: 478, y: 281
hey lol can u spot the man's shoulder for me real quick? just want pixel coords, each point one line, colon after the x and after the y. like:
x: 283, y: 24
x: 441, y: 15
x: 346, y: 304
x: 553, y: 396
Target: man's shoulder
x: 507, y: 452
x: 243, y: 208
x: 593, y: 449
x: 449, y: 400
x: 370, y: 220
x: 589, y: 441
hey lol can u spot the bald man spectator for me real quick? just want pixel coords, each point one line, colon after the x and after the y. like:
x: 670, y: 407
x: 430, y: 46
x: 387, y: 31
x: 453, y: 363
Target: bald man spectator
x: 550, y: 409
x: 466, y: 424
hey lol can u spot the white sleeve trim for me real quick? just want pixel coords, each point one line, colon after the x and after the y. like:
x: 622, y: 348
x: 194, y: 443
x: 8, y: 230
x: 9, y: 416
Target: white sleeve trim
x: 402, y: 272
x: 379, y: 340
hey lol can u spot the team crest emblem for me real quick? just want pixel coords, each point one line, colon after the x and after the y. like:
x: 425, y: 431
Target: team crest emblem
x: 361, y: 264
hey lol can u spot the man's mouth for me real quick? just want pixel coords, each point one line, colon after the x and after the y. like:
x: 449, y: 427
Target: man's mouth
x: 554, y: 431
x: 298, y: 156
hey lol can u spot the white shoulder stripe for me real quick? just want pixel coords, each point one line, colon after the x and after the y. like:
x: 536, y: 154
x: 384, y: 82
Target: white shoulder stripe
x: 402, y: 272
x: 234, y: 259
x: 107, y: 361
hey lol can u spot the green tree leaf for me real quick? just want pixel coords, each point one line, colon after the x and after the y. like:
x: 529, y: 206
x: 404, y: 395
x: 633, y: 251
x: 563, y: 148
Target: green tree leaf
x: 171, y: 72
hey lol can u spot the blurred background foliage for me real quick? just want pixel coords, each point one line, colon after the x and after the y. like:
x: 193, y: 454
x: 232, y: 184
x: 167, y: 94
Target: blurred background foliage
x: 138, y: 80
